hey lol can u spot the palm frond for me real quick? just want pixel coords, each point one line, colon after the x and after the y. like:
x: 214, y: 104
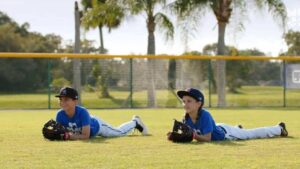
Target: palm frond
x: 134, y: 6
x: 238, y: 16
x: 165, y: 24
x: 180, y: 7
x: 107, y: 14
x: 275, y: 7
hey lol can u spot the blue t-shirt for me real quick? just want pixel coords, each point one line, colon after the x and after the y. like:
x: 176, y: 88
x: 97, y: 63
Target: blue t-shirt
x: 206, y: 124
x: 81, y: 118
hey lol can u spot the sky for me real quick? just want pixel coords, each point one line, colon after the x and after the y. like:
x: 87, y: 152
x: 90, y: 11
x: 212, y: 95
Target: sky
x: 57, y: 16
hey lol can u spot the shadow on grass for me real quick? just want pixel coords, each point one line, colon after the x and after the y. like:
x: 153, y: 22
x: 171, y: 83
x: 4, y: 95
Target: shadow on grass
x: 139, y: 135
x: 222, y: 143
x: 272, y: 138
x: 99, y: 139
x: 291, y: 137
x: 230, y: 143
x: 235, y: 142
x: 117, y: 101
x: 125, y: 103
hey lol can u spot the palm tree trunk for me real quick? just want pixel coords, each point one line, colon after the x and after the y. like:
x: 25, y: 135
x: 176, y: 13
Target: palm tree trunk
x: 103, y: 66
x: 171, y: 83
x: 151, y: 44
x: 151, y: 64
x: 76, y: 62
x: 221, y: 66
x: 172, y: 75
x: 101, y: 40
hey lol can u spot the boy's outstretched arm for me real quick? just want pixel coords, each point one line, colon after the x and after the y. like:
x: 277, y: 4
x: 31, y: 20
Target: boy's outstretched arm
x: 85, y: 134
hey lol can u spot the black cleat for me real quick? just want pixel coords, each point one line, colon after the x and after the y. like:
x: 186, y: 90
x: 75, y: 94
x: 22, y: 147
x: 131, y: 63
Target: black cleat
x: 140, y: 126
x: 284, y: 132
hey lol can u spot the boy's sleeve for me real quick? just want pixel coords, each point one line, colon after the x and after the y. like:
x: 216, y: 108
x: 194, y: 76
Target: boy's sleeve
x: 86, y: 119
x: 207, y: 124
x: 59, y: 118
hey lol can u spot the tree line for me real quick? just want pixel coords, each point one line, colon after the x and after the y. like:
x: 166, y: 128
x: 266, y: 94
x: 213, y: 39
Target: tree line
x: 27, y: 75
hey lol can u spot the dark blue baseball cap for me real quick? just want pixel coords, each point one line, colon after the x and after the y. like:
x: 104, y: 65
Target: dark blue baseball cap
x: 68, y: 92
x: 194, y: 93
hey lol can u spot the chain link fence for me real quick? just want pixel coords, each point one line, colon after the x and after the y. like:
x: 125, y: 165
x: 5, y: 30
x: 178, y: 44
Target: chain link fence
x: 31, y: 83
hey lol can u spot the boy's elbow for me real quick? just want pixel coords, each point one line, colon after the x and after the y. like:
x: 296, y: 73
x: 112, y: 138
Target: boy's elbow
x: 204, y: 140
x: 86, y: 137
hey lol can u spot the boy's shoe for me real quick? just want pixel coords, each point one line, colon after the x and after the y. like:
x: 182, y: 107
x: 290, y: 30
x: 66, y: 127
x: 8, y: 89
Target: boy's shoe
x: 140, y: 126
x: 284, y: 132
x: 239, y: 126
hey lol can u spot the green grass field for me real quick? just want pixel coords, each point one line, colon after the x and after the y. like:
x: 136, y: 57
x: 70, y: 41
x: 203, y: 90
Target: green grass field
x: 22, y: 144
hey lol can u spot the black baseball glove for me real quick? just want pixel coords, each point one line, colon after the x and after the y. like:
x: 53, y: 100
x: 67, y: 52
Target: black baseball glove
x: 55, y: 131
x: 181, y: 133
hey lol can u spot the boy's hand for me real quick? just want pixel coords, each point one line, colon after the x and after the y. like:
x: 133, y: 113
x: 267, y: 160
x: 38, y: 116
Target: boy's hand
x: 55, y: 131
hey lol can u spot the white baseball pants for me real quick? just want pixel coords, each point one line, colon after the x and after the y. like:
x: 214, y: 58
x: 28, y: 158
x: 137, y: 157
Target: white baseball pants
x: 235, y: 133
x: 107, y: 130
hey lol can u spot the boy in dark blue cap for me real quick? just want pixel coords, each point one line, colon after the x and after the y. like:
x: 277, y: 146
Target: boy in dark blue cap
x: 83, y: 126
x: 205, y: 128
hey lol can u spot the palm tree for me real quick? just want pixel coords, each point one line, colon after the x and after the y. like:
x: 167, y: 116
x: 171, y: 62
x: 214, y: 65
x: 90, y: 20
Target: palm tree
x: 222, y: 10
x: 153, y: 20
x: 99, y: 14
x: 76, y: 62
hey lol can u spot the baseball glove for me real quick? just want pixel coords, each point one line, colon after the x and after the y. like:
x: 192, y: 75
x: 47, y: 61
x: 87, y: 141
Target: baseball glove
x: 55, y: 131
x: 181, y: 133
